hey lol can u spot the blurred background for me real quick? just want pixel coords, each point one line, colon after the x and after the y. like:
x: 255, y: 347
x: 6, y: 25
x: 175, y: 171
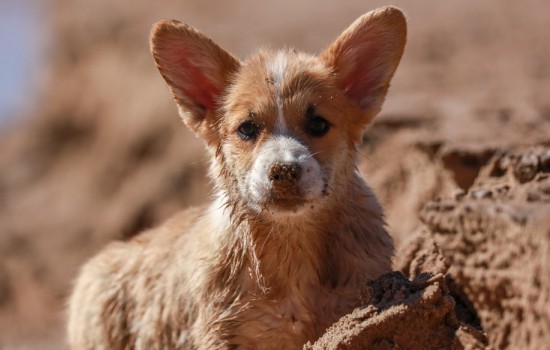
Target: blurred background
x: 92, y: 149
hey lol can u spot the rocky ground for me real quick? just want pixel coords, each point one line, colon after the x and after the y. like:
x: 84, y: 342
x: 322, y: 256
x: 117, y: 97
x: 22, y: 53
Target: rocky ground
x: 479, y: 269
x: 459, y: 157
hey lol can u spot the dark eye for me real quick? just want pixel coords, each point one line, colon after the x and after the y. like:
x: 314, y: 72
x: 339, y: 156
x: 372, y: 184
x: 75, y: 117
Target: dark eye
x: 248, y: 130
x: 315, y: 125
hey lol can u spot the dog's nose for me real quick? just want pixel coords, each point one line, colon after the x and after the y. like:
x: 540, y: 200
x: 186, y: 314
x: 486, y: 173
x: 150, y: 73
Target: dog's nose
x: 285, y: 174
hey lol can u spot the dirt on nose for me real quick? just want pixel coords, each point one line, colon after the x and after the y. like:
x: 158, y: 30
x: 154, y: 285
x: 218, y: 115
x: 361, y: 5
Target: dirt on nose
x: 285, y: 174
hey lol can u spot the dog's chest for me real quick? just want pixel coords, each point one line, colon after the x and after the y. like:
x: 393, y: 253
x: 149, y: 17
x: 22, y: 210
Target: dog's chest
x: 285, y: 323
x: 289, y: 322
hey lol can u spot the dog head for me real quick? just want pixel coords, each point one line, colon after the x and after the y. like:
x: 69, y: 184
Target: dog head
x: 283, y: 125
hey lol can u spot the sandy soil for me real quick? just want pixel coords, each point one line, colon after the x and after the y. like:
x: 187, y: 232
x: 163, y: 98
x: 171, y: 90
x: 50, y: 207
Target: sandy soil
x: 103, y: 155
x: 400, y: 314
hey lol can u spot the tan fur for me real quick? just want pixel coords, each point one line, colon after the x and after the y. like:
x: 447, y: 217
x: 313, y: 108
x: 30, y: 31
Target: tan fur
x: 267, y: 273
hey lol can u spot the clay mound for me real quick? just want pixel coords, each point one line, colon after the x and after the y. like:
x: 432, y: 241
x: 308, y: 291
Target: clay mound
x: 400, y: 314
x: 495, y: 241
x: 479, y: 269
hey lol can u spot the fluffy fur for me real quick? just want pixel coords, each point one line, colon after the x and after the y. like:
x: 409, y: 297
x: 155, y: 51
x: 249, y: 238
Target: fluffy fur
x: 293, y: 231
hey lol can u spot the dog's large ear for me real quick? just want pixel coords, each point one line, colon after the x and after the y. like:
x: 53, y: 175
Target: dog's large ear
x: 366, y: 55
x: 196, y: 69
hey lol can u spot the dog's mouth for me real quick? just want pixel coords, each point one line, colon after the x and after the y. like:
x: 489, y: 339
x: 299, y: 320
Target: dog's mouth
x: 290, y: 200
x: 285, y: 188
x: 286, y: 203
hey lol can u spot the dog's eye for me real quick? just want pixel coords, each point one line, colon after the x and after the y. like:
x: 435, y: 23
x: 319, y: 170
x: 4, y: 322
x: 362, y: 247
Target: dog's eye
x: 316, y: 126
x: 248, y: 130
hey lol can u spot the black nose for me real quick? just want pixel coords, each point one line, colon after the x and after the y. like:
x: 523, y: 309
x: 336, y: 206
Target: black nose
x: 285, y: 174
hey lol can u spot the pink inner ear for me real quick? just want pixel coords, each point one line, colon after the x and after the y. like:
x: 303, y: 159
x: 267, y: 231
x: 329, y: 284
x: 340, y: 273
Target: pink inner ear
x: 202, y: 91
x: 192, y: 80
x: 362, y: 76
x: 357, y: 84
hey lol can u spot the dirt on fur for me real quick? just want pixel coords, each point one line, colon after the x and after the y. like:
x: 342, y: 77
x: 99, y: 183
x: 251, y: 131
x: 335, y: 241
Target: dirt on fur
x: 459, y: 157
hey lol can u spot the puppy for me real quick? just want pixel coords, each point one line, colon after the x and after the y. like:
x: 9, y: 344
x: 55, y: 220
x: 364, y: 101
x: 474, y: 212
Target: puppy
x: 293, y: 231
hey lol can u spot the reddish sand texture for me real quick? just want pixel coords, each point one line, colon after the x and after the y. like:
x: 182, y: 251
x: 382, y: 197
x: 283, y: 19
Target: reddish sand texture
x: 480, y: 269
x: 400, y: 314
x: 102, y: 154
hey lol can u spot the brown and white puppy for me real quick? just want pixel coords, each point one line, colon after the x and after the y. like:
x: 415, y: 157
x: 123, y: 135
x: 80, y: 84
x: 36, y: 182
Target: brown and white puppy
x: 293, y: 232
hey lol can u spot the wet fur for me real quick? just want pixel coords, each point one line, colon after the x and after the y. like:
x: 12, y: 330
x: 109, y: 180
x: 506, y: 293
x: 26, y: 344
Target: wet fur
x: 235, y: 275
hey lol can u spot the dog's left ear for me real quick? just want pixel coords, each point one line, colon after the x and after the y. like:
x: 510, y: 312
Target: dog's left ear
x: 197, y: 71
x: 366, y: 55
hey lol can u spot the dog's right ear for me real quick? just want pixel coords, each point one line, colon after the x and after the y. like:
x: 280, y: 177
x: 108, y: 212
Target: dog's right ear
x: 197, y: 71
